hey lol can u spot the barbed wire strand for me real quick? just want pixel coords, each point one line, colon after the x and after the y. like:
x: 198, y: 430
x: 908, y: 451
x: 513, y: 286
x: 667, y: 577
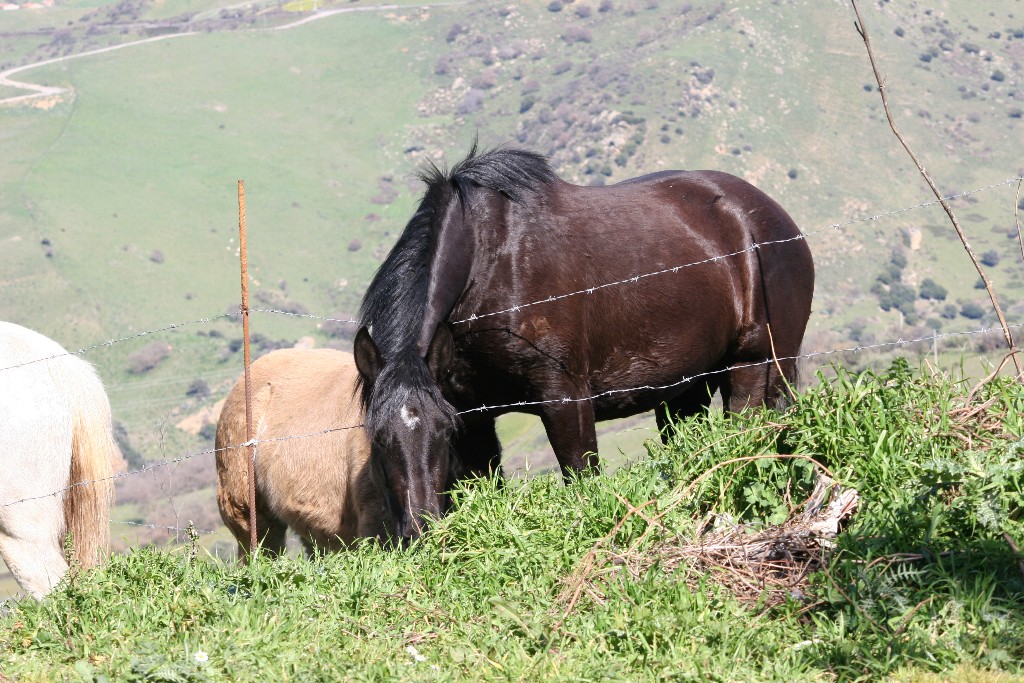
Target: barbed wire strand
x: 176, y: 461
x: 769, y: 361
x: 278, y: 311
x: 720, y: 257
x: 674, y: 269
x: 520, y: 404
x: 111, y: 342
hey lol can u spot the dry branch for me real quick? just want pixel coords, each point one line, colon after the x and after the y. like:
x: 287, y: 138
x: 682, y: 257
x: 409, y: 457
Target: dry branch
x: 1016, y: 218
x: 770, y: 565
x: 766, y: 566
x: 863, y: 31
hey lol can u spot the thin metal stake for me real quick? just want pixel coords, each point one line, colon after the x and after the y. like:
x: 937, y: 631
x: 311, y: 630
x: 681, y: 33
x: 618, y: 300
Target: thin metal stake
x: 244, y: 256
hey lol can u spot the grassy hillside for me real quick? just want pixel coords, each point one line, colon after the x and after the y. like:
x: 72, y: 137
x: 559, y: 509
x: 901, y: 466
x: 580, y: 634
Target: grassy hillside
x: 646, y: 574
x: 118, y: 199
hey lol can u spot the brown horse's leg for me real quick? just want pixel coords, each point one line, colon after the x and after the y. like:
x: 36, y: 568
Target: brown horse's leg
x: 270, y: 532
x: 573, y: 436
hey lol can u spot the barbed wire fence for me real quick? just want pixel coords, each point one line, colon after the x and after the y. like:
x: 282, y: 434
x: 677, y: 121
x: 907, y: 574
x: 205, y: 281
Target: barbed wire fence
x: 917, y: 343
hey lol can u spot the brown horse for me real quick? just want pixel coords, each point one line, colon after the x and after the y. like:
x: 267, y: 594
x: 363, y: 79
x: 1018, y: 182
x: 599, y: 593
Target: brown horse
x: 311, y: 459
x: 511, y: 290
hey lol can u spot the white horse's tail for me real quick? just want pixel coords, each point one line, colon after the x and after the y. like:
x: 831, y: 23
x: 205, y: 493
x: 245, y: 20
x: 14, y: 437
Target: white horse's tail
x: 94, y: 456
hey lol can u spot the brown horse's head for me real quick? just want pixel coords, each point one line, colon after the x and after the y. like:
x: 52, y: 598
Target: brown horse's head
x: 410, y: 425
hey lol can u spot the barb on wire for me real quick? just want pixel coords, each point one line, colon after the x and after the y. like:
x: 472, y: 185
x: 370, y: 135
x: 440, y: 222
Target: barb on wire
x: 111, y: 342
x: 143, y: 525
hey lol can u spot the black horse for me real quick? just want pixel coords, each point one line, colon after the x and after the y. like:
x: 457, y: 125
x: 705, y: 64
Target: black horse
x: 493, y: 296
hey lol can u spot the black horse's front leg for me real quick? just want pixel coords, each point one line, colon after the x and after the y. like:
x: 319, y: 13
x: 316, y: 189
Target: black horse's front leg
x: 477, y: 447
x: 573, y: 435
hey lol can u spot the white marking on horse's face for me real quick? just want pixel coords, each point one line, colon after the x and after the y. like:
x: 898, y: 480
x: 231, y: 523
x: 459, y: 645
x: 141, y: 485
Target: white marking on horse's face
x: 411, y: 421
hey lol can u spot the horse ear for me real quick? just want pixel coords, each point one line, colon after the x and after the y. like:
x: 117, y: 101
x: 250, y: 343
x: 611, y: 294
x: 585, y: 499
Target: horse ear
x: 441, y: 352
x: 368, y: 360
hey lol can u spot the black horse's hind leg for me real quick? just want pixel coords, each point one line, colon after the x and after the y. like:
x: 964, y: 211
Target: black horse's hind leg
x: 478, y: 448
x: 693, y: 401
x: 754, y: 385
x: 573, y: 435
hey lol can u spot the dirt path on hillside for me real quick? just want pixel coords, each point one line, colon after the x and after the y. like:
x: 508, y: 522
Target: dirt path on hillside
x: 39, y: 91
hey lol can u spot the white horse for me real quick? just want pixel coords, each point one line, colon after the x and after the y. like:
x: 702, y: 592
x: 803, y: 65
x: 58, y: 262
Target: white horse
x: 57, y: 454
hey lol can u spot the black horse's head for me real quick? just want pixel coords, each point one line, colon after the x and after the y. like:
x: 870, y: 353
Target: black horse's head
x: 410, y: 425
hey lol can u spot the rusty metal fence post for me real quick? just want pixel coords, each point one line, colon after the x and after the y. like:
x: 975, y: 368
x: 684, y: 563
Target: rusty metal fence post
x: 244, y: 257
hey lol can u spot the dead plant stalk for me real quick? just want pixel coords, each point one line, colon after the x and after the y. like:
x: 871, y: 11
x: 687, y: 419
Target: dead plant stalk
x: 863, y: 31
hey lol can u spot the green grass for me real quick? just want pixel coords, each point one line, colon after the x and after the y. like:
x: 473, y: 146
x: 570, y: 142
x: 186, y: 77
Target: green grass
x: 921, y: 583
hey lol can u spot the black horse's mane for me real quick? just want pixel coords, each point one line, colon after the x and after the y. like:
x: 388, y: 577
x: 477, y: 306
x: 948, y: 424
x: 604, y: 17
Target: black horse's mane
x: 395, y: 301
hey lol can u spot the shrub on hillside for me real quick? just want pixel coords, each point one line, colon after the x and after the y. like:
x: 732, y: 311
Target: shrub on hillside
x: 932, y: 290
x: 577, y: 34
x: 443, y: 65
x: 485, y: 80
x: 455, y: 31
x: 897, y: 296
x: 148, y: 357
x: 471, y: 102
x: 198, y: 389
x: 990, y: 258
x: 972, y: 311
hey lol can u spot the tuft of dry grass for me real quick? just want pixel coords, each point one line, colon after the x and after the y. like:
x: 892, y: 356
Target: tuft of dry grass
x: 766, y: 565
